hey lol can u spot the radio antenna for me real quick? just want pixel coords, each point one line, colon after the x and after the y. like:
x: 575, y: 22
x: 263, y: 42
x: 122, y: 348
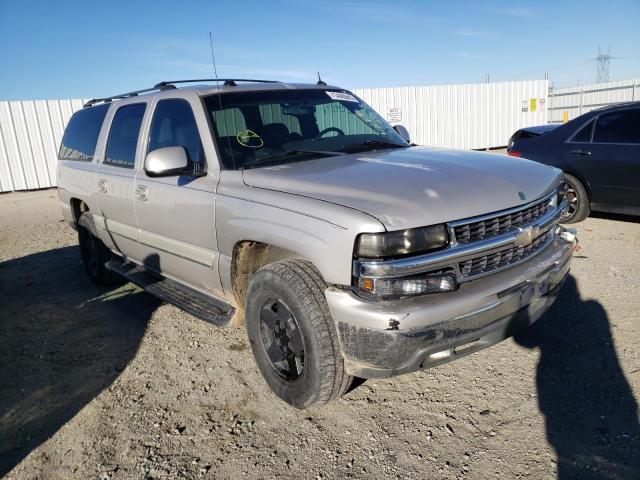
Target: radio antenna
x: 215, y: 74
x: 213, y: 60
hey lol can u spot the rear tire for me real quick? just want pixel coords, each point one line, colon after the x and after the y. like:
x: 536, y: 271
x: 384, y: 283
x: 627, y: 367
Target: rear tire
x: 578, y: 198
x: 293, y: 336
x: 95, y: 255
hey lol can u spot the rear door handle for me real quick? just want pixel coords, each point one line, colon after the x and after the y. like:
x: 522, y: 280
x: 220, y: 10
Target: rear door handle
x: 142, y: 192
x: 102, y: 186
x: 580, y: 152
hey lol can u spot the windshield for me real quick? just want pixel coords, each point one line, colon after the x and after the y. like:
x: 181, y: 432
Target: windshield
x: 255, y: 129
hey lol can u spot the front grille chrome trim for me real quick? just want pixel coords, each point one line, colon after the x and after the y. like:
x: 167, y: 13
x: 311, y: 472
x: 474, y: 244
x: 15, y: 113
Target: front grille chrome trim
x: 542, y: 244
x: 502, y: 213
x: 457, y: 252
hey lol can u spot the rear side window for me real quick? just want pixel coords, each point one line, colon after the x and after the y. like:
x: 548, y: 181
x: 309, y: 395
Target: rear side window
x: 584, y: 134
x: 123, y: 137
x: 174, y: 125
x: 80, y: 137
x: 618, y: 127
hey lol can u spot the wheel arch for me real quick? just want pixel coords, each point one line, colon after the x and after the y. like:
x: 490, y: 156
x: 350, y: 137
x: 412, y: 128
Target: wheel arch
x: 248, y: 257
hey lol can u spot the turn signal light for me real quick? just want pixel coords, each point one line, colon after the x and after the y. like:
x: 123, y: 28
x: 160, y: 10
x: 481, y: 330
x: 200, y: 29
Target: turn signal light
x: 400, y: 287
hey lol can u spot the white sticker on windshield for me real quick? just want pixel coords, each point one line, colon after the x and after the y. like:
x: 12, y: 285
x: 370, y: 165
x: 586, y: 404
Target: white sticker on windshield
x: 343, y: 97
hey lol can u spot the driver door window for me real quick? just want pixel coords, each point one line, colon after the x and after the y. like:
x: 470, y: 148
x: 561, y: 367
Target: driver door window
x: 174, y: 126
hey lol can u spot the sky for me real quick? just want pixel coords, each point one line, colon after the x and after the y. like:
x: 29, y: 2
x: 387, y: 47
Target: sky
x: 63, y: 49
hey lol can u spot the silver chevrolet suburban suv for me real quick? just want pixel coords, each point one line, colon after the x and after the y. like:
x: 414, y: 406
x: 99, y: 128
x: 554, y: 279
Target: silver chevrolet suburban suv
x: 299, y: 211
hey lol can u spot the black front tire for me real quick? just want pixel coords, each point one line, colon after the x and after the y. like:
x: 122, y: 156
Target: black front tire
x: 298, y: 287
x: 95, y: 255
x: 578, y: 198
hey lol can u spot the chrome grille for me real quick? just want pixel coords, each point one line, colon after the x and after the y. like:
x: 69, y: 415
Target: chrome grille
x: 503, y: 258
x: 491, y: 227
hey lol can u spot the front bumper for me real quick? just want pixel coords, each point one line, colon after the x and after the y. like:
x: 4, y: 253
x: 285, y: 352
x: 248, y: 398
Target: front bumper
x: 383, y: 339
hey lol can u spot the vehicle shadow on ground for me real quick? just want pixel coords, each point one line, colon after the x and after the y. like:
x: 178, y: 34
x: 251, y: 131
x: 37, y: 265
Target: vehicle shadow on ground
x: 62, y: 342
x: 619, y: 217
x: 590, y: 412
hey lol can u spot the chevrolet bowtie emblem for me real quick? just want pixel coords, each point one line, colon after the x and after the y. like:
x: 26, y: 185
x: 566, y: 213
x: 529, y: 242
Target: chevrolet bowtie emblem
x: 526, y: 236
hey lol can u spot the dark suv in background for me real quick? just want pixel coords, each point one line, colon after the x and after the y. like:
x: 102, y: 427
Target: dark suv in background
x: 599, y: 153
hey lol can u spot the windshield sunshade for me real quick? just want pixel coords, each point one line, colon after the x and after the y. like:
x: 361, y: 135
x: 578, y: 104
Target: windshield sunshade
x: 255, y: 129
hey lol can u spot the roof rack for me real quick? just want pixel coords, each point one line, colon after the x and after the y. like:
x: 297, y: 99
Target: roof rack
x: 169, y: 85
x: 228, y: 82
x: 135, y: 93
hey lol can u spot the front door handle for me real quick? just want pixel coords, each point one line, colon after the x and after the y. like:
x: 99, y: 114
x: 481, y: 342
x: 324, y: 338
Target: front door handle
x: 142, y: 192
x: 580, y: 152
x: 102, y: 186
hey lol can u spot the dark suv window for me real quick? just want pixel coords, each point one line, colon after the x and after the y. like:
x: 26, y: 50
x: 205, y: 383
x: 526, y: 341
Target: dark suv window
x: 174, y: 125
x: 123, y: 137
x: 80, y: 137
x: 618, y: 127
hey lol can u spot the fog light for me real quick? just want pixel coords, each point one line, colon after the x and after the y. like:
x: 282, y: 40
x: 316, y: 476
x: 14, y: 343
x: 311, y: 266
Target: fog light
x: 408, y: 286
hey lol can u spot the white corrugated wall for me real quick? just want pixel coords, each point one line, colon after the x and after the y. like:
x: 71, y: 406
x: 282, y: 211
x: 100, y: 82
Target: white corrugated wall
x: 581, y: 99
x: 30, y: 134
x: 482, y: 115
x: 461, y: 116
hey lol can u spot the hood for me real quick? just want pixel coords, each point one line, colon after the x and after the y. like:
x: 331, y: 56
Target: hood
x: 414, y: 186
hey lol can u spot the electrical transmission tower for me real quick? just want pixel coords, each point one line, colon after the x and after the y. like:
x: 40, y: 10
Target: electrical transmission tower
x: 602, y: 65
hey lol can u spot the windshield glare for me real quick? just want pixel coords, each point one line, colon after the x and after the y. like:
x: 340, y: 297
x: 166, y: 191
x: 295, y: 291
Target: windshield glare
x: 262, y: 128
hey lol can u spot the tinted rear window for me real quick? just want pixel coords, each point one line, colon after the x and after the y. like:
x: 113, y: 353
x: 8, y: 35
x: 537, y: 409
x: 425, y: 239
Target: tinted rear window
x: 123, y: 137
x: 80, y: 137
x: 584, y: 134
x: 618, y: 127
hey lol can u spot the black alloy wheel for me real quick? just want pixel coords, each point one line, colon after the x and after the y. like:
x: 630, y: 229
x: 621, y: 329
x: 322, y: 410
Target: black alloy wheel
x: 95, y: 256
x: 293, y: 336
x: 89, y: 250
x: 578, y: 200
x: 282, y: 339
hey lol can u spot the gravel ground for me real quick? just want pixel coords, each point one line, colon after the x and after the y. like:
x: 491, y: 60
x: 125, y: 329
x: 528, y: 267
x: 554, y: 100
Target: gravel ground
x: 112, y: 384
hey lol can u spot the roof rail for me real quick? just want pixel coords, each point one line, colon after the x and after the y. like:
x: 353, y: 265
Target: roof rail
x: 168, y: 85
x: 228, y: 82
x: 93, y: 101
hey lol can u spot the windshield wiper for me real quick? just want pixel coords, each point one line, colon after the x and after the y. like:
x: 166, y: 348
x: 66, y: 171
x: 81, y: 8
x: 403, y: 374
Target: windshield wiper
x: 275, y: 158
x: 374, y: 143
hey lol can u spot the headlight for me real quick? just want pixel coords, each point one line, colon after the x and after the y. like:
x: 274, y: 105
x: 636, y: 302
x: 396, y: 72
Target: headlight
x: 402, y: 287
x: 402, y: 242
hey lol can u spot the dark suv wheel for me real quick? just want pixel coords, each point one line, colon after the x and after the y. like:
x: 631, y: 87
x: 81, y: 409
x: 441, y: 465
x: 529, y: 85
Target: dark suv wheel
x: 292, y: 334
x: 578, y: 200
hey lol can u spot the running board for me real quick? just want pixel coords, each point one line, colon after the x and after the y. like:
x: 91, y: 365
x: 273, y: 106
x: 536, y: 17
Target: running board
x: 185, y: 298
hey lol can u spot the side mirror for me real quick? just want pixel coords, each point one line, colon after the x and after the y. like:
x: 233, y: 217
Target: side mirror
x: 403, y: 132
x: 166, y: 162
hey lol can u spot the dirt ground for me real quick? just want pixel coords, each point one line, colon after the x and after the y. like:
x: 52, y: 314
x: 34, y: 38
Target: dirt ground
x: 112, y: 384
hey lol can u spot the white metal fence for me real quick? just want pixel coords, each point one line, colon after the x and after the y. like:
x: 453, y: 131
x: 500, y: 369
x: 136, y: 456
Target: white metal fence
x: 30, y: 134
x: 482, y: 115
x: 568, y: 103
